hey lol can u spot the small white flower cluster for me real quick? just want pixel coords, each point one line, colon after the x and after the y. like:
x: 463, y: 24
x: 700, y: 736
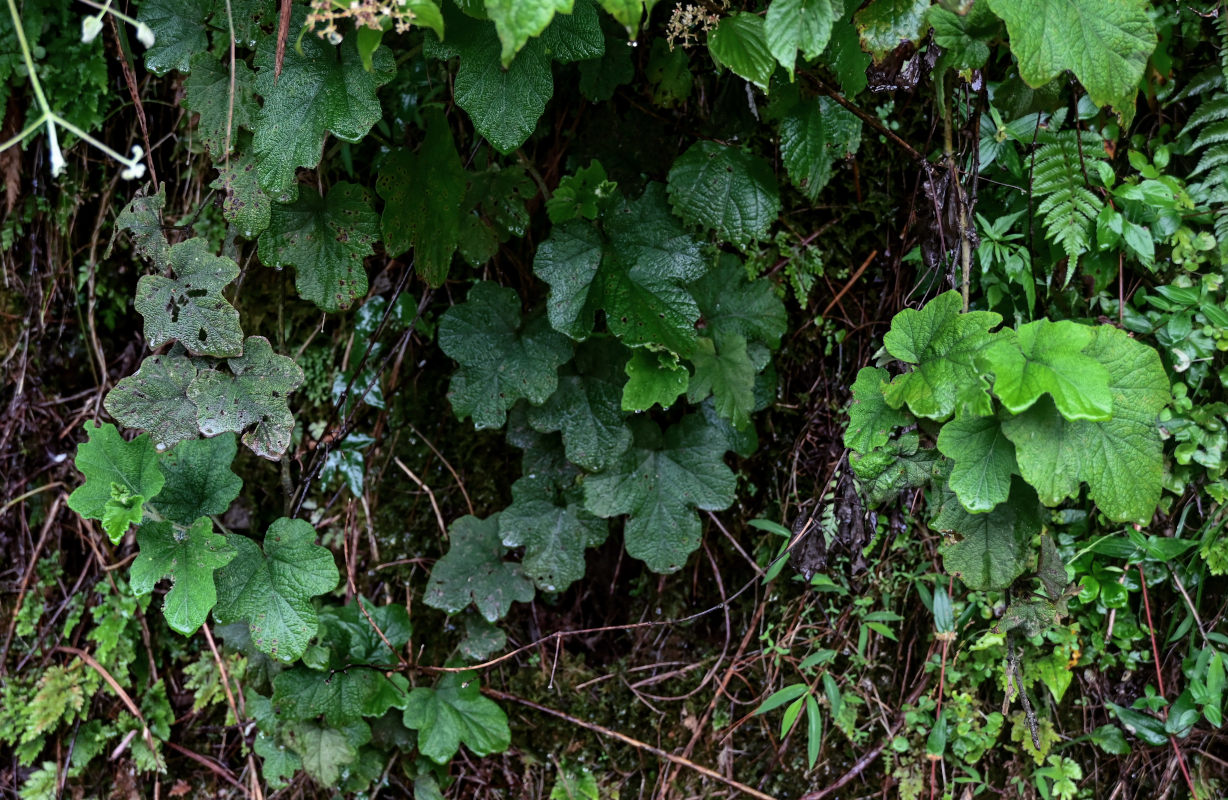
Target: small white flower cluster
x: 686, y: 20
x: 92, y: 26
x: 325, y: 14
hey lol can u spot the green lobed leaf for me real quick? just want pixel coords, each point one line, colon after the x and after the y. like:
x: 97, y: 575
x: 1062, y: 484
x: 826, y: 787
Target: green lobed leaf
x: 179, y: 31
x: 199, y: 481
x: 943, y: 345
x: 730, y: 303
x: 575, y: 36
x: 964, y: 37
x: 871, y: 420
x: 886, y: 24
x: 1044, y: 357
x: 805, y: 24
x: 845, y: 57
x: 325, y: 239
x: 1105, y: 43
x: 327, y: 751
x: 899, y: 465
x: 724, y: 370
x: 339, y: 695
x: 658, y: 483
x: 502, y: 359
x: 482, y: 639
x: 582, y: 195
x: 815, y: 133
x: 587, y: 406
x: 142, y: 218
x: 353, y: 638
x: 423, y: 194
x: 516, y: 21
x: 254, y: 397
x: 155, y: 398
x: 636, y: 273
x: 114, y: 470
x: 323, y: 90
x: 991, y: 549
x: 983, y: 461
x: 189, y: 308
x: 627, y: 12
x: 473, y: 570
x: 244, y: 205
x: 207, y: 92
x: 278, y: 764
x: 452, y: 713
x: 739, y: 42
x: 272, y: 590
x: 553, y: 530
x: 188, y: 557
x: 653, y: 378
x: 1120, y: 459
x: 725, y: 189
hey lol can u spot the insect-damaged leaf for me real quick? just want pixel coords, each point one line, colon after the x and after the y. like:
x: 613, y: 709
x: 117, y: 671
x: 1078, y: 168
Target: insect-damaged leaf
x: 272, y: 590
x: 188, y: 556
x: 155, y: 398
x: 473, y: 570
x: 189, y: 308
x: 253, y: 397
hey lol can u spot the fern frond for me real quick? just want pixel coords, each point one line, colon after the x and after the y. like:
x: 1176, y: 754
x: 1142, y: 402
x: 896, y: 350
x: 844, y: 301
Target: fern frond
x: 1069, y: 208
x: 1209, y: 126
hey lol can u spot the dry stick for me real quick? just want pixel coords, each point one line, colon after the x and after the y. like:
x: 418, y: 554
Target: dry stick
x: 283, y: 33
x: 443, y: 527
x: 214, y: 767
x: 234, y: 708
x: 636, y: 743
x: 119, y: 690
x: 1155, y: 654
x: 446, y: 463
x: 130, y: 79
x: 849, y: 284
x: 25, y: 579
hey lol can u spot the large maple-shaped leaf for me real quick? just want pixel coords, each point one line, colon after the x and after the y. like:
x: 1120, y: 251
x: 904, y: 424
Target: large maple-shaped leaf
x: 325, y: 239
x: 731, y: 303
x: 502, y: 360
x: 871, y: 420
x: 272, y: 590
x: 188, y: 556
x: 189, y: 308
x: 322, y: 89
x: 984, y: 461
x: 1120, y: 459
x: 1105, y: 43
x: 636, y: 272
x: 254, y: 397
x: 805, y: 24
x: 199, y: 481
x: 155, y: 398
x: 179, y: 32
x: 724, y: 370
x: 516, y: 21
x: 207, y: 91
x: 473, y: 571
x: 725, y: 189
x: 587, y: 406
x: 943, y: 346
x: 119, y: 475
x: 1045, y: 357
x: 658, y: 483
x: 989, y: 550
x: 453, y: 713
x: 423, y: 194
x: 554, y: 530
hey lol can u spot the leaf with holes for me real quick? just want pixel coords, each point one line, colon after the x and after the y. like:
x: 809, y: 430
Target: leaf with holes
x: 155, y: 399
x: 325, y: 239
x: 188, y: 556
x: 245, y: 205
x: 207, y: 92
x: 189, y: 308
x: 453, y: 713
x: 502, y: 359
x: 322, y: 89
x: 272, y: 589
x: 725, y: 189
x: 942, y: 345
x: 658, y: 483
x: 254, y: 397
x: 142, y: 218
x: 199, y: 481
x: 871, y: 420
x: 116, y: 474
x: 473, y: 571
x: 1044, y: 357
x: 587, y: 406
x: 636, y: 270
x: 984, y: 461
x: 554, y: 530
x: 1120, y: 459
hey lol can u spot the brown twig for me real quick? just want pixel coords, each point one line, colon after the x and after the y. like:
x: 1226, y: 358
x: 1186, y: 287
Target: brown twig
x: 443, y: 526
x: 130, y: 79
x: 119, y: 691
x: 849, y: 283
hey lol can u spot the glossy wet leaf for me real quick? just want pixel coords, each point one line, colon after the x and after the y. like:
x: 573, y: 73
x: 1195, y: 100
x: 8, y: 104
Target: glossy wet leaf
x: 453, y: 713
x: 725, y: 189
x: 179, y: 32
x: 473, y: 571
x: 189, y: 308
x: 188, y: 557
x: 516, y: 21
x: 815, y: 134
x: 554, y: 530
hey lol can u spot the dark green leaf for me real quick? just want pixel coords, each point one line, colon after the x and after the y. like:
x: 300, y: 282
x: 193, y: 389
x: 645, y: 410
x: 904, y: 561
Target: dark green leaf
x: 474, y: 571
x: 188, y: 557
x: 587, y: 407
x: 207, y: 91
x: 199, y: 481
x: 554, y: 531
x: 984, y: 461
x: 455, y: 713
x: 179, y: 32
x: 155, y: 398
x: 725, y: 189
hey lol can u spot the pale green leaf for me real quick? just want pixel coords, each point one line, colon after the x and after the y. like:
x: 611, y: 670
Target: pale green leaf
x: 473, y: 571
x: 516, y: 21
x: 188, y: 557
x: 886, y: 24
x: 871, y: 420
x: 723, y: 369
x: 1105, y: 43
x: 984, y: 461
x: 155, y: 398
x: 805, y: 24
x: 725, y: 189
x: 553, y: 529
x: 964, y: 37
x: 739, y: 42
x: 1045, y: 357
x: 325, y: 239
x: 199, y: 481
x: 327, y: 751
x: 653, y: 378
x: 658, y: 483
x: 114, y: 470
x: 278, y: 764
x: 272, y: 590
x: 627, y: 12
x: 189, y: 308
x: 252, y: 398
x: 455, y: 713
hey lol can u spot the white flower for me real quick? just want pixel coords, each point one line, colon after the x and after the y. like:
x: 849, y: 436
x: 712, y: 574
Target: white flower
x: 90, y: 28
x: 136, y: 169
x: 53, y: 145
x: 145, y: 34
